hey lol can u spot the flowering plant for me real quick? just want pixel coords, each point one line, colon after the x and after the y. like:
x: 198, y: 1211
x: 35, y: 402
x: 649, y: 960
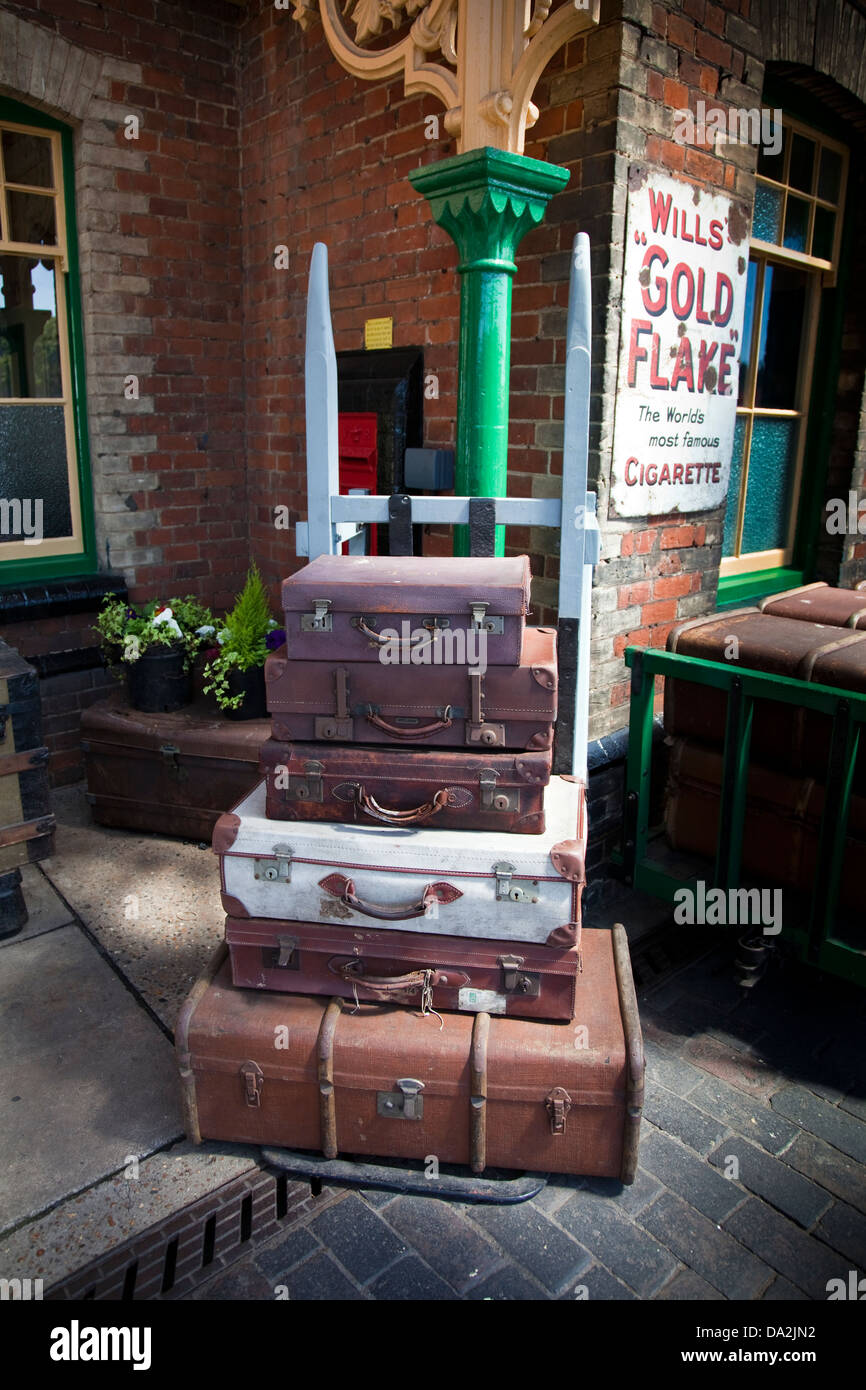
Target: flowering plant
x: 248, y: 634
x: 127, y: 632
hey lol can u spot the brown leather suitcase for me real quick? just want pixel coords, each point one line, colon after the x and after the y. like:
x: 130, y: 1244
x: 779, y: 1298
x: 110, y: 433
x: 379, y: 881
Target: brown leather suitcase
x: 782, y: 824
x: 794, y: 740
x: 818, y: 603
x: 26, y: 820
x: 172, y: 773
x: 447, y: 706
x: 293, y: 1071
x: 469, y: 790
x: 348, y: 607
x: 365, y: 964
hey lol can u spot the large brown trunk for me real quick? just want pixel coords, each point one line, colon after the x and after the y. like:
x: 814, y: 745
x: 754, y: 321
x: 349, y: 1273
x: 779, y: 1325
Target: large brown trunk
x: 173, y: 773
x: 299, y: 1072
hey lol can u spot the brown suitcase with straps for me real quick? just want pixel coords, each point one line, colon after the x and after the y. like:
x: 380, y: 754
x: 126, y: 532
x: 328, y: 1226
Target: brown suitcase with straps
x: 469, y: 790
x: 367, y: 963
x: 445, y: 706
x: 292, y: 1071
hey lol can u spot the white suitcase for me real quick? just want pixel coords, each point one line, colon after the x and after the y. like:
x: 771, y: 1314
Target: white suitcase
x: 472, y: 883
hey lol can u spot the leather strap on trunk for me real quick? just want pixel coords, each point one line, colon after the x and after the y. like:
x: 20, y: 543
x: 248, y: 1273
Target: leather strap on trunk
x: 478, y: 1093
x: 325, y: 1067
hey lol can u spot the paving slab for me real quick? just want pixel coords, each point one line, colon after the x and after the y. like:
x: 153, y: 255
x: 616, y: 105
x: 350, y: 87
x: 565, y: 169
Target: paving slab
x: 86, y: 1076
x: 151, y: 902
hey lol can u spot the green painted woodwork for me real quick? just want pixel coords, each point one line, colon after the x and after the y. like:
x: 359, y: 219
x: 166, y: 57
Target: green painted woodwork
x: 486, y: 200
x: 817, y: 944
x: 85, y: 562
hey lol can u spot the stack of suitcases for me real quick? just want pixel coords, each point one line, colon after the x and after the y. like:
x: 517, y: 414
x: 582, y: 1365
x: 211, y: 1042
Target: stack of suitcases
x: 406, y: 973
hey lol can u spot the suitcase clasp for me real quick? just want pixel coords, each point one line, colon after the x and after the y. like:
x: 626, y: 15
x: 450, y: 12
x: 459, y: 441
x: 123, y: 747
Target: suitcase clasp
x: 254, y: 1079
x: 477, y: 729
x: 320, y: 620
x: 277, y: 868
x: 518, y: 981
x: 481, y: 621
x: 505, y: 891
x: 492, y: 800
x: 308, y: 787
x: 558, y: 1104
x: 406, y: 1103
x: 171, y: 750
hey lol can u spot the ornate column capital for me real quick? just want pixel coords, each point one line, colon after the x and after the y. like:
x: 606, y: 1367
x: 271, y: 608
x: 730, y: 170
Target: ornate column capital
x: 480, y: 58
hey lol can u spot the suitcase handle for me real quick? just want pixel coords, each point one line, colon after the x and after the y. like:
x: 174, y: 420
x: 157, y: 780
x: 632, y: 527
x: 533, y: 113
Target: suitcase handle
x: 343, y: 888
x: 421, y: 731
x: 376, y: 638
x: 371, y: 807
x: 352, y: 970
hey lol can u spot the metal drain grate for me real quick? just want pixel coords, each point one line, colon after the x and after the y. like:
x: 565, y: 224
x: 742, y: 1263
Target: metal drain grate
x: 170, y: 1260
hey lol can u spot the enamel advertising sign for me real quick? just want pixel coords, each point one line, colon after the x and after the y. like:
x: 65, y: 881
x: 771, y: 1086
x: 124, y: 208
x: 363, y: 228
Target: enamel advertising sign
x: 684, y: 293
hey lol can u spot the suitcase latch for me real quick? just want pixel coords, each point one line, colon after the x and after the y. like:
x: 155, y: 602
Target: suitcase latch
x: 170, y: 751
x: 288, y: 946
x: 340, y: 724
x: 278, y: 867
x: 506, y: 891
x: 254, y: 1079
x: 491, y: 799
x: 481, y: 621
x: 406, y: 1103
x: 558, y: 1105
x: 308, y: 787
x: 321, y: 619
x: 477, y: 729
x: 515, y: 980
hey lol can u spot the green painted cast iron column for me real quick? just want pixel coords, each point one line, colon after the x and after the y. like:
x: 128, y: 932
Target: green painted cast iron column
x: 486, y: 200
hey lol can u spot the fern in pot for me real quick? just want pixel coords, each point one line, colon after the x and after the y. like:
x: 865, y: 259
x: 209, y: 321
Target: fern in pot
x: 234, y: 671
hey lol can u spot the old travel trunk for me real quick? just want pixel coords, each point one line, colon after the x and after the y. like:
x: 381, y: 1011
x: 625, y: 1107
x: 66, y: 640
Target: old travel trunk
x: 350, y: 607
x: 818, y: 603
x: 783, y: 736
x: 467, y: 883
x: 379, y: 964
x: 310, y: 1073
x: 470, y: 789
x: 172, y: 772
x: 26, y: 821
x: 450, y: 706
x: 782, y: 823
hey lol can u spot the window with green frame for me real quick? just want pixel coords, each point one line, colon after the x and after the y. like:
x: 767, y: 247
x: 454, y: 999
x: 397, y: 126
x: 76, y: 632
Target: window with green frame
x: 46, y: 510
x: 794, y: 258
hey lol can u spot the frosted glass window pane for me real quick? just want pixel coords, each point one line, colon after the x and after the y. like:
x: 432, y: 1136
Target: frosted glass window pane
x: 802, y: 163
x: 768, y: 493
x: 830, y: 176
x: 781, y: 337
x: 734, y: 487
x: 29, y: 346
x: 31, y: 218
x: 796, y: 224
x: 766, y: 223
x: 33, y: 469
x: 748, y: 327
x: 27, y: 159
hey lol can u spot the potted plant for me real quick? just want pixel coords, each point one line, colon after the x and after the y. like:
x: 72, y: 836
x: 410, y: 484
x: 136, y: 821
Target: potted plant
x: 156, y: 645
x: 234, y: 671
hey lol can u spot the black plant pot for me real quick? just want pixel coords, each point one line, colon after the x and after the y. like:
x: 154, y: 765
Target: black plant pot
x: 251, y: 684
x: 157, y: 682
